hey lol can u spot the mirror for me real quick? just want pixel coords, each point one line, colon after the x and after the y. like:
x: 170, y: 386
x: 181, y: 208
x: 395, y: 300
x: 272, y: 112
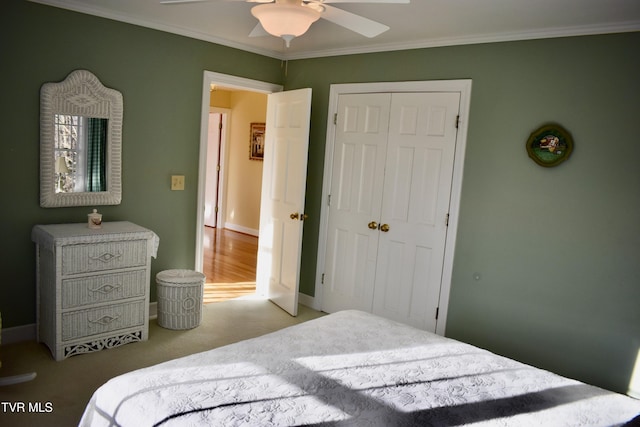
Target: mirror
x: 80, y: 142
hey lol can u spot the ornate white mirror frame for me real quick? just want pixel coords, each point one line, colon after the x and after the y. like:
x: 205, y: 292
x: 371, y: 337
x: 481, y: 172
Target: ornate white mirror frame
x: 80, y: 94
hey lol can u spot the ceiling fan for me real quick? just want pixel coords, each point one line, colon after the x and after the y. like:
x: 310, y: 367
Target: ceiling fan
x: 292, y: 18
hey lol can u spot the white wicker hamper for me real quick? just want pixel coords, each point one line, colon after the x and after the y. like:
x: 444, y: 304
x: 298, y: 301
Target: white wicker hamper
x: 179, y: 298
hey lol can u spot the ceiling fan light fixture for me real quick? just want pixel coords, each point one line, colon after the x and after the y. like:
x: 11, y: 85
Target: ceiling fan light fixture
x: 286, y: 20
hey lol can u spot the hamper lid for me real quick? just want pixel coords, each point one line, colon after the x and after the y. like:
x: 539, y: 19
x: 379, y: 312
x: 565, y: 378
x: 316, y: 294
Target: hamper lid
x: 180, y: 276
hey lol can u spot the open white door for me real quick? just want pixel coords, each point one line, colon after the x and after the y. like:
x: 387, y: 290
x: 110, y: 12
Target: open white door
x: 284, y: 179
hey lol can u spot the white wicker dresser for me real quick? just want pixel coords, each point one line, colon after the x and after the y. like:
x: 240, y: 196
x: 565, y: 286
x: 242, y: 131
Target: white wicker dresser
x: 92, y: 285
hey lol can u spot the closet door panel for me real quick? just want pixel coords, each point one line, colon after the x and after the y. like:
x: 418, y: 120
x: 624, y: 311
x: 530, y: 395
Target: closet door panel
x: 356, y: 197
x: 416, y: 192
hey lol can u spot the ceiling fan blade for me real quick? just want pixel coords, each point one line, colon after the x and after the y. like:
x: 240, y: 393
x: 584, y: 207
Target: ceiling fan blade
x: 353, y: 22
x: 362, y: 1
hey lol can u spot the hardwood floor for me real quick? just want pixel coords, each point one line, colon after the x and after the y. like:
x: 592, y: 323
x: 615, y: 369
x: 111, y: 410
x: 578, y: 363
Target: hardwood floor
x: 229, y: 264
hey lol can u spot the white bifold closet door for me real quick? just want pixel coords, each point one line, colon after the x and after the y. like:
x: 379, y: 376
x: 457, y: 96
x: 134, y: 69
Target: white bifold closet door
x: 390, y: 193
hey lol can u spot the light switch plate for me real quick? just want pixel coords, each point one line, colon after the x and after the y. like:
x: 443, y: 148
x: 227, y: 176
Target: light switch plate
x: 177, y: 182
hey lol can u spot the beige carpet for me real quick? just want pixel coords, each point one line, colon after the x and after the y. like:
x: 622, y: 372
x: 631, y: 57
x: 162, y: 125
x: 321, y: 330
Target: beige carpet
x: 62, y: 389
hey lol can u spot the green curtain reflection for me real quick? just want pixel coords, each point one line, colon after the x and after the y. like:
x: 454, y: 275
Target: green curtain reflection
x: 97, y: 155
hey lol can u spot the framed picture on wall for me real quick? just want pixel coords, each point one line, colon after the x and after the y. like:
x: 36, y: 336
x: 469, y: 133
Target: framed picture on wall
x: 256, y: 141
x: 549, y: 145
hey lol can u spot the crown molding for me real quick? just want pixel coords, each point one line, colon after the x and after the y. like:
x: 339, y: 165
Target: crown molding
x: 629, y: 26
x: 626, y: 27
x: 147, y: 23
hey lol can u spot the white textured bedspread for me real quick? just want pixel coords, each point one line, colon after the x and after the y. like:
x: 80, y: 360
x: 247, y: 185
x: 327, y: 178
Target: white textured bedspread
x: 354, y: 369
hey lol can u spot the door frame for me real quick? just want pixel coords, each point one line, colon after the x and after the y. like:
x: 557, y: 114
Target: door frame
x: 462, y: 86
x: 226, y: 81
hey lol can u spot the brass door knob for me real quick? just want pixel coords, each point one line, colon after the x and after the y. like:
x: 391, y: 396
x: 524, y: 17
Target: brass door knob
x: 384, y: 228
x: 373, y: 225
x: 294, y: 215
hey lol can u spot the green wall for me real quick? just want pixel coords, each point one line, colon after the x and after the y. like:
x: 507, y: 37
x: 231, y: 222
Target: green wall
x: 160, y: 77
x: 557, y: 248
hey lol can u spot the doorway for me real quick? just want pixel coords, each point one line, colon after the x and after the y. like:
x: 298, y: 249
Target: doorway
x: 230, y: 257
x: 232, y: 247
x: 230, y: 260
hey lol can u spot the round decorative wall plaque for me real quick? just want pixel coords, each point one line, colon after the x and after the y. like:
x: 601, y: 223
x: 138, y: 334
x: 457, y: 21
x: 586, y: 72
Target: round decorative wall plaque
x: 550, y: 145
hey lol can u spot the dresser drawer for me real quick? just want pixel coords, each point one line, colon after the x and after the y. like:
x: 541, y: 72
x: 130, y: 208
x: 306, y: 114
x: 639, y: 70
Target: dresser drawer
x: 85, y: 258
x: 84, y: 323
x: 103, y: 288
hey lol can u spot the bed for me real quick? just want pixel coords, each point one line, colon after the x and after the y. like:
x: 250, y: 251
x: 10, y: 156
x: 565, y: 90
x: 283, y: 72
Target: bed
x: 351, y: 369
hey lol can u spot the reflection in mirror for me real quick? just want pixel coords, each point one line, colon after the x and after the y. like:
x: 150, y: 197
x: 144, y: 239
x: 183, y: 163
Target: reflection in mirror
x: 80, y: 142
x: 80, y: 153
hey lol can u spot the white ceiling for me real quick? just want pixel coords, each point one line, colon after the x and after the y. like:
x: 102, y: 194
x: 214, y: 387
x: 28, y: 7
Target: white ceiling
x: 422, y: 23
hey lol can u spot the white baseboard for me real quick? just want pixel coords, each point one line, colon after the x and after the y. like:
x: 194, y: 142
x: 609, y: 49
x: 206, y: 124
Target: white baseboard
x: 29, y: 332
x: 241, y: 229
x: 153, y: 310
x: 19, y: 333
x: 307, y: 300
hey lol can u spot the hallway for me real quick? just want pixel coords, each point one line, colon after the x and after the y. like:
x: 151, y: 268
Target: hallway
x: 229, y: 264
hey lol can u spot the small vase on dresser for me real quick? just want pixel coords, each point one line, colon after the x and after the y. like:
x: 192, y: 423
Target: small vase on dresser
x: 92, y: 285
